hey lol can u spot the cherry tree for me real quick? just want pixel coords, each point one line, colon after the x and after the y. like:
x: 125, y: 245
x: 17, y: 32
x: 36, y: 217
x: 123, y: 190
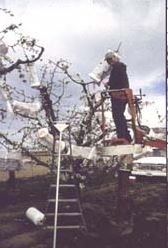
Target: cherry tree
x: 37, y: 99
x: 38, y: 93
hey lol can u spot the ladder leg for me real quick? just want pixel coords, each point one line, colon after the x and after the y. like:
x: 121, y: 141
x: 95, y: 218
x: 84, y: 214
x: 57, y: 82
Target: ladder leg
x: 57, y: 192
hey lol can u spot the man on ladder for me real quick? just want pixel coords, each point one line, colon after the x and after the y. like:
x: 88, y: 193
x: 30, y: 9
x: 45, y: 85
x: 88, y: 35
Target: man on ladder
x: 118, y: 80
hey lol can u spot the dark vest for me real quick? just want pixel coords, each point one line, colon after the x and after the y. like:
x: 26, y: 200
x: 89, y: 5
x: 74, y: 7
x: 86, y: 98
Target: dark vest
x: 118, y: 76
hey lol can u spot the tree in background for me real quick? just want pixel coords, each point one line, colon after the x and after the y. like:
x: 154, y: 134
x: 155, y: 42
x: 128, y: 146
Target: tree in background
x: 36, y: 93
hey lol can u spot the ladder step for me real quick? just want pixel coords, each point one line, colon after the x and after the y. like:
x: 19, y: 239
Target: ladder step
x: 64, y: 200
x: 70, y: 216
x: 66, y: 170
x: 65, y: 227
x: 63, y: 185
x: 62, y: 154
x: 65, y: 214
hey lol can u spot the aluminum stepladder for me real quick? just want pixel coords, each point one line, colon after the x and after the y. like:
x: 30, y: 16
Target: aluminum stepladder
x: 64, y: 211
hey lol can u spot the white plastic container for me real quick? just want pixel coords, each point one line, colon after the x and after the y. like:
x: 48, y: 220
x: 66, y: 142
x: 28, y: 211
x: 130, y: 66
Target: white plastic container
x: 47, y: 139
x: 25, y: 108
x: 101, y: 71
x: 35, y: 216
x: 34, y: 80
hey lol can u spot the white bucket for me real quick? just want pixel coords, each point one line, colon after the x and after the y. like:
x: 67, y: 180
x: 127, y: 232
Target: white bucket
x: 34, y: 80
x: 47, y: 139
x: 101, y: 71
x: 26, y: 108
x: 35, y: 216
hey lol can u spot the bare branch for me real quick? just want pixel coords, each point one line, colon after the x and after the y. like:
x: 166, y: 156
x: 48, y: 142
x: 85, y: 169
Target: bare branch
x: 4, y: 71
x: 24, y: 150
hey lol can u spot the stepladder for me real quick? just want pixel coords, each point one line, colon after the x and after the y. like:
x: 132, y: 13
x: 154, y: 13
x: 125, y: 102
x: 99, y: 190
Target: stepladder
x: 70, y: 218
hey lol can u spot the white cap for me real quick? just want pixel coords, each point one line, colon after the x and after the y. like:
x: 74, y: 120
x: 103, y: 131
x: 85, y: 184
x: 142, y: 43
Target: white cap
x: 111, y: 54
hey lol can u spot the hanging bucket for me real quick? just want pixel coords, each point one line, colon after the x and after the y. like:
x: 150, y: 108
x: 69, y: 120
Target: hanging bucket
x: 33, y: 77
x: 35, y: 216
x: 101, y: 71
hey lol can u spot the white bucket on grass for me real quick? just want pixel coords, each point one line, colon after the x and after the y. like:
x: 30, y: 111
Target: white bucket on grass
x: 35, y: 216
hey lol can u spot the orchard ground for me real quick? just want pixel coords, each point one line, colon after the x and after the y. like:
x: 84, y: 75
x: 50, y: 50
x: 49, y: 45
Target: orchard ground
x: 143, y: 227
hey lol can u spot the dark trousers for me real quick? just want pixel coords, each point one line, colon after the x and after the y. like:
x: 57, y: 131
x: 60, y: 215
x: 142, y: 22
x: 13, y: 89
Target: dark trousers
x: 118, y: 108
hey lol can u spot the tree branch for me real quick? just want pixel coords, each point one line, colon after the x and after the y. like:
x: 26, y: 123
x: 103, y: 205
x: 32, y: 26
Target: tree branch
x: 4, y: 71
x: 24, y: 150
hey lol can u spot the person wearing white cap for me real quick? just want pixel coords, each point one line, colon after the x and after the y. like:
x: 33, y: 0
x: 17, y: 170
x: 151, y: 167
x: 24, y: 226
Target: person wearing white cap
x: 118, y: 80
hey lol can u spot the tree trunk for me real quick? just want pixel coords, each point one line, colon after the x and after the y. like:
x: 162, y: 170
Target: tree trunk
x: 12, y: 179
x: 123, y: 204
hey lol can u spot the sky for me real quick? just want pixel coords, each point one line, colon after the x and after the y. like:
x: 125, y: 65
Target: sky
x: 82, y: 31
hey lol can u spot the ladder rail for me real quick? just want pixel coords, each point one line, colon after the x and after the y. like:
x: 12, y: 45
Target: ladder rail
x: 57, y: 192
